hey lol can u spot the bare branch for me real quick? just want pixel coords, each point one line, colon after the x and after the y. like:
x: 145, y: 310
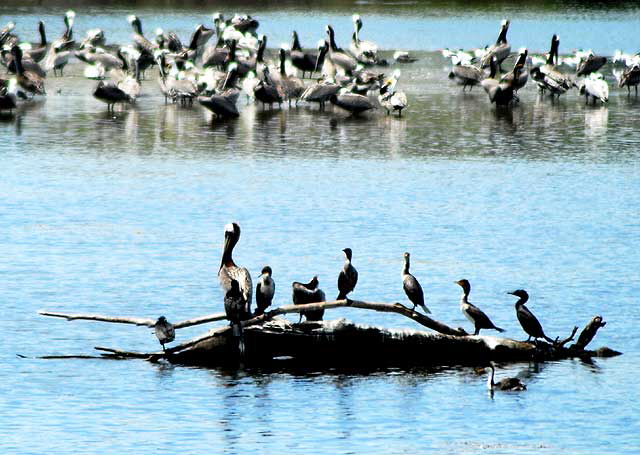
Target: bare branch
x: 98, y: 317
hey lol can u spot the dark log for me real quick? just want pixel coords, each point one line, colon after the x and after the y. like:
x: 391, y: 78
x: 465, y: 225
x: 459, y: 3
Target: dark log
x: 588, y: 332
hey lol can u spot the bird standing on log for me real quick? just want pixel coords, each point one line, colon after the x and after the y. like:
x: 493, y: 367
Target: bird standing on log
x: 308, y: 293
x: 512, y: 384
x: 229, y: 271
x: 412, y: 287
x: 235, y: 308
x: 265, y: 289
x: 165, y: 331
x: 528, y: 321
x: 348, y: 277
x: 472, y: 312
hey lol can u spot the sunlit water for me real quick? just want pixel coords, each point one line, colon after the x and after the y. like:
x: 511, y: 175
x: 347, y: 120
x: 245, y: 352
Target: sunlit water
x: 123, y: 214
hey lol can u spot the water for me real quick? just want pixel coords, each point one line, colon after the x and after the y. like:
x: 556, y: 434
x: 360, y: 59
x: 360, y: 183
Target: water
x: 123, y: 215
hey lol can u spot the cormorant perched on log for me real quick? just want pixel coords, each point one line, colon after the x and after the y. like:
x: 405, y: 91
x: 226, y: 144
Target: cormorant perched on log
x: 265, y: 289
x: 235, y: 307
x: 229, y: 271
x: 164, y: 331
x: 472, y: 312
x: 348, y: 277
x: 528, y: 321
x: 308, y: 293
x: 412, y: 288
x: 512, y: 384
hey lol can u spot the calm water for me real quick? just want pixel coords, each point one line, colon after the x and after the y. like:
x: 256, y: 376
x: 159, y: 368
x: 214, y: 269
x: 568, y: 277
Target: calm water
x: 123, y: 215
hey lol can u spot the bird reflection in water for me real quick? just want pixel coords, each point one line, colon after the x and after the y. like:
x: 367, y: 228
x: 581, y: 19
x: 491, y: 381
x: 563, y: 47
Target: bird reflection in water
x: 596, y: 121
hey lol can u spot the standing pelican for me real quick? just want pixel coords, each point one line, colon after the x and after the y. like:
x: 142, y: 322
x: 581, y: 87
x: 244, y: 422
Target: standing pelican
x: 472, y: 312
x: 594, y: 86
x: 412, y: 287
x: 389, y: 98
x: 348, y: 277
x: 500, y: 50
x: 230, y: 271
x: 165, y: 331
x: 338, y: 57
x: 28, y: 80
x: 351, y: 102
x: 548, y: 76
x: 265, y: 289
x: 38, y: 52
x: 510, y: 384
x: 308, y: 293
x: 528, y: 321
x: 307, y: 62
x: 365, y: 52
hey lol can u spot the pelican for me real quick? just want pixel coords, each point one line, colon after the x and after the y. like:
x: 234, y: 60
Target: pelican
x: 509, y: 384
x: 351, y: 102
x: 391, y: 99
x: 229, y: 270
x: 630, y: 78
x: 548, y: 77
x: 500, y: 50
x: 65, y: 42
x: 184, y: 90
x: 94, y: 38
x: 7, y: 96
x: 308, y: 293
x: 338, y: 57
x: 517, y: 77
x: 265, y: 289
x: 266, y: 92
x: 321, y: 92
x: 142, y: 44
x: 501, y: 92
x: 472, y: 312
x: 348, y: 277
x: 215, y: 55
x: 235, y: 307
x: 165, y: 331
x: 37, y: 53
x: 412, y: 287
x: 56, y: 60
x: 7, y: 38
x: 590, y: 64
x: 594, y: 86
x: 307, y: 62
x: 292, y: 86
x: 98, y: 56
x: 528, y: 321
x: 168, y: 40
x: 466, y: 75
x: 365, y: 52
x: 28, y: 80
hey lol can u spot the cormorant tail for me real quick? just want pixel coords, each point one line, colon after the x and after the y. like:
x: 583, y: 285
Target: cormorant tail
x: 424, y: 307
x: 341, y: 296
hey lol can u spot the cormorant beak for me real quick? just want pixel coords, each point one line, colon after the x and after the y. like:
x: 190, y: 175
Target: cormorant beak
x: 511, y: 293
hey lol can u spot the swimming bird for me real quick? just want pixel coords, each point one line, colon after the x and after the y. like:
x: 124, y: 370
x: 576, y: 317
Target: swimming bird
x: 594, y: 86
x: 509, y: 384
x: 307, y: 62
x: 308, y: 293
x: 412, y: 287
x: 343, y: 61
x: 235, y: 307
x: 472, y: 312
x: 500, y: 50
x: 527, y: 320
x: 265, y: 290
x: 389, y: 98
x: 348, y: 277
x: 365, y: 52
x: 230, y: 271
x: 30, y: 81
x: 404, y: 57
x: 165, y: 331
x: 351, y: 102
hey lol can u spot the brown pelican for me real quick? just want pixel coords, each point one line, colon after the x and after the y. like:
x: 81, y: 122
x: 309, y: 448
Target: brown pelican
x: 351, y: 102
x: 229, y: 270
x: 7, y: 97
x: 215, y: 55
x: 548, y: 77
x: 223, y: 103
x: 630, y: 78
x: 94, y: 38
x: 308, y: 293
x: 348, y: 277
x: 28, y: 80
x: 184, y: 90
x: 590, y: 65
x: 389, y: 98
x: 98, y: 56
x: 56, y: 60
x: 266, y: 92
x: 501, y: 92
x: 472, y: 312
x: 265, y: 289
x: 165, y: 331
x: 168, y: 40
x: 528, y: 321
x: 365, y: 52
x: 142, y: 44
x: 7, y: 38
x: 594, y: 86
x: 37, y: 53
x: 292, y: 86
x: 500, y: 50
x: 110, y: 93
x: 512, y: 384
x: 520, y: 80
x: 466, y: 75
x: 66, y: 41
x: 338, y: 57
x: 307, y: 62
x: 235, y: 307
x: 321, y: 92
x: 412, y: 287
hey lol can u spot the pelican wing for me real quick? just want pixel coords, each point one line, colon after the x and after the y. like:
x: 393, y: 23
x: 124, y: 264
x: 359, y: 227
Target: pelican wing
x: 241, y: 275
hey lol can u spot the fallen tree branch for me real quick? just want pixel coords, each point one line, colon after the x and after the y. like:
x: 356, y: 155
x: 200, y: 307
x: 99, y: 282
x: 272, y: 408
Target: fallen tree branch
x: 588, y: 332
x: 128, y: 354
x: 98, y: 317
x: 566, y: 340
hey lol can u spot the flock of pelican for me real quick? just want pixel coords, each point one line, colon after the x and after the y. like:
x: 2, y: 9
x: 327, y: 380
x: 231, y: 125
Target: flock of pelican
x: 211, y: 71
x: 552, y: 74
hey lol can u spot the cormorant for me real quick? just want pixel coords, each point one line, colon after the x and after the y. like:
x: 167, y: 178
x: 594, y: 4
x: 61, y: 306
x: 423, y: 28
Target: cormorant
x: 472, y: 312
x: 265, y: 289
x: 348, y: 277
x: 308, y: 293
x: 528, y: 321
x: 165, y: 331
x: 235, y: 307
x: 412, y: 288
x: 513, y: 384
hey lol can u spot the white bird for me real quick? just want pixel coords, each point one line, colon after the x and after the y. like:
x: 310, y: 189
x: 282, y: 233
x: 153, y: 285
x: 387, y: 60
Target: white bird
x: 594, y: 86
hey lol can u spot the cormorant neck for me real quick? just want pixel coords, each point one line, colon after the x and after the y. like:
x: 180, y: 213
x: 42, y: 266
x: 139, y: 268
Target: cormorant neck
x: 405, y: 270
x: 521, y: 301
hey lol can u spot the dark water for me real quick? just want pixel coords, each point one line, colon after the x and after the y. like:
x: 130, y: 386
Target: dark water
x: 123, y: 215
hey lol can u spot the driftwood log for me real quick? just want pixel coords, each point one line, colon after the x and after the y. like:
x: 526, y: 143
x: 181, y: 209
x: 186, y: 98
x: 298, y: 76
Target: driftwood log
x: 270, y: 339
